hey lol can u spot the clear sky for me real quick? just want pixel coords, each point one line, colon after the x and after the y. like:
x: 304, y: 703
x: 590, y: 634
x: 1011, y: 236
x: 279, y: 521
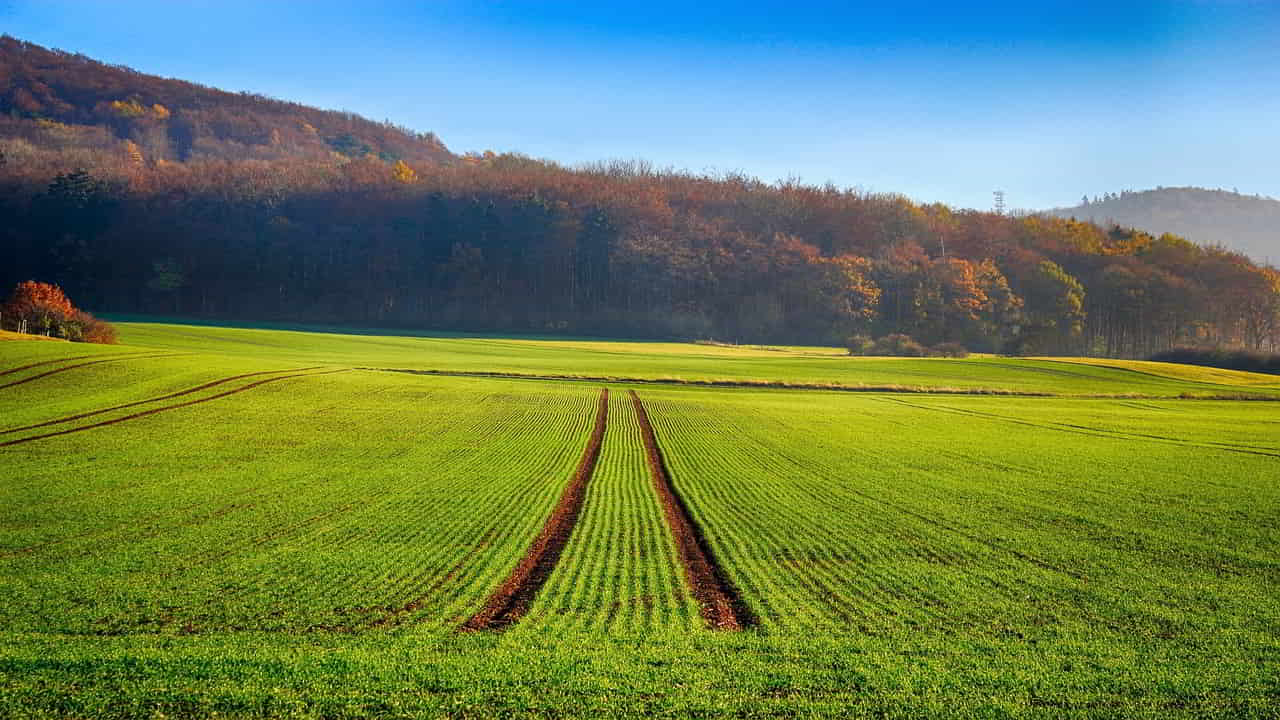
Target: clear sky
x: 942, y: 101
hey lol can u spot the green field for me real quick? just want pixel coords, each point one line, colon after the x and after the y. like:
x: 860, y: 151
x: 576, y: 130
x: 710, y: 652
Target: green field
x: 686, y: 362
x: 263, y: 522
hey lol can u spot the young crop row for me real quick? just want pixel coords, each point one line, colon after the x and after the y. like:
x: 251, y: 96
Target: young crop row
x: 412, y: 491
x: 1078, y: 428
x: 511, y: 600
x: 870, y: 516
x: 805, y: 511
x: 721, y: 605
x: 620, y: 571
x: 475, y: 494
x: 279, y: 550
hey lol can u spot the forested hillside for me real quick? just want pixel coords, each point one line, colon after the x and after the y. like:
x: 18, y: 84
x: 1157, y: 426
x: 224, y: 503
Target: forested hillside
x: 50, y: 98
x: 1245, y: 223
x: 236, y: 225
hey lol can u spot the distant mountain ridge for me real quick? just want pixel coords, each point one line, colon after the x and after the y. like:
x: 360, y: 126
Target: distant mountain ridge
x: 1248, y: 224
x: 55, y: 99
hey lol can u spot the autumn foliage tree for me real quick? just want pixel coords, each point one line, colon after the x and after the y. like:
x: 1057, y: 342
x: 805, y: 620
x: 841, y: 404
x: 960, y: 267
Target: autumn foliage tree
x: 37, y: 307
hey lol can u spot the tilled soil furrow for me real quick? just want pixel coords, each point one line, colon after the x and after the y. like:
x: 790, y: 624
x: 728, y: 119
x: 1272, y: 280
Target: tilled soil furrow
x: 155, y: 411
x: 170, y: 396
x: 722, y: 607
x: 513, y: 597
x: 47, y: 373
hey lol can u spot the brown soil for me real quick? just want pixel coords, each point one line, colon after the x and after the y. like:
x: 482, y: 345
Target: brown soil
x: 86, y: 364
x: 513, y: 597
x: 170, y: 396
x: 722, y: 607
x: 154, y: 411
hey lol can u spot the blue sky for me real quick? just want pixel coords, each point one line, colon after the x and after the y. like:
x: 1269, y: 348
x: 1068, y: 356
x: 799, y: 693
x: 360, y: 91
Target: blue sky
x: 1046, y: 100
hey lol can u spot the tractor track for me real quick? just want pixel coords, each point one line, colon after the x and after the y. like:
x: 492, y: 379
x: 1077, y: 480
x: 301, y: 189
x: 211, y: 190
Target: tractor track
x: 20, y: 368
x: 85, y: 364
x: 170, y: 396
x: 721, y: 605
x: 512, y: 599
x: 154, y: 411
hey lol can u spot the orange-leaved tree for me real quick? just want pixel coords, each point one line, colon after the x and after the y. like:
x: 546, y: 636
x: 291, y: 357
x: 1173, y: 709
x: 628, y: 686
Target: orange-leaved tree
x: 41, y: 307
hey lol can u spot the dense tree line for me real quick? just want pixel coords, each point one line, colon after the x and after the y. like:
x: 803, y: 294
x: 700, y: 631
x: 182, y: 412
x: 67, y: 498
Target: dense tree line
x: 508, y: 243
x: 364, y: 233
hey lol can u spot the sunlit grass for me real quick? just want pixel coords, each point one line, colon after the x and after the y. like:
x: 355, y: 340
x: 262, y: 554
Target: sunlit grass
x: 673, y: 361
x: 1192, y: 373
x: 309, y: 546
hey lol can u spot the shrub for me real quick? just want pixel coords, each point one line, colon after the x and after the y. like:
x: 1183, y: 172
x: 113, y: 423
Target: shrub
x: 898, y: 345
x: 859, y: 344
x: 950, y: 350
x: 93, y: 330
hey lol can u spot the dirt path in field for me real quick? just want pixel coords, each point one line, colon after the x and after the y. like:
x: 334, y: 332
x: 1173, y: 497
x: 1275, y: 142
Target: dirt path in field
x: 85, y: 364
x: 513, y: 597
x: 170, y: 396
x: 722, y: 607
x: 154, y: 411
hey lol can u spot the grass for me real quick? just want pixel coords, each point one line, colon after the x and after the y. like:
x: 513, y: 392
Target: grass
x: 1178, y: 371
x: 301, y: 527
x: 10, y: 335
x: 683, y: 362
x: 309, y: 546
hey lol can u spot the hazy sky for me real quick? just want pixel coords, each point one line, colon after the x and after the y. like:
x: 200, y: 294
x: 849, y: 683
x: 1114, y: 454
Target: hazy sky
x: 1046, y: 99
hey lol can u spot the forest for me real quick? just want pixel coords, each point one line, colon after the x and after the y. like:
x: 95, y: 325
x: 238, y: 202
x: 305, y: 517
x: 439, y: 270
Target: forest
x: 141, y: 194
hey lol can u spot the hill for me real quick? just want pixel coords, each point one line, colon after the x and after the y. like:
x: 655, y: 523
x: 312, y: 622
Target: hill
x: 55, y: 99
x: 1249, y: 224
x: 145, y: 195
